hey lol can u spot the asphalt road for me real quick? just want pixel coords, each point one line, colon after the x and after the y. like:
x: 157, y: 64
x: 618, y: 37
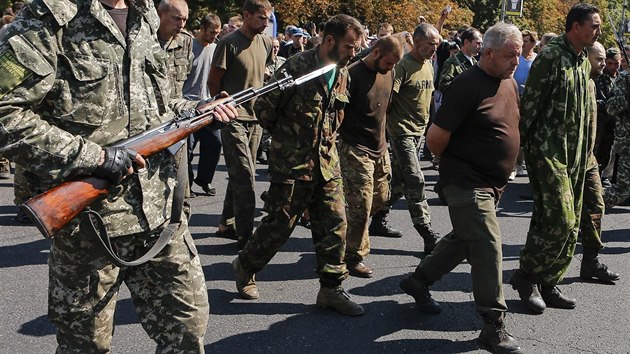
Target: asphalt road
x: 285, y: 319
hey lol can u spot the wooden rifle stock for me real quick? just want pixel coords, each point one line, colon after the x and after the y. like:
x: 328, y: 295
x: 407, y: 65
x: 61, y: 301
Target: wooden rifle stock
x: 53, y: 209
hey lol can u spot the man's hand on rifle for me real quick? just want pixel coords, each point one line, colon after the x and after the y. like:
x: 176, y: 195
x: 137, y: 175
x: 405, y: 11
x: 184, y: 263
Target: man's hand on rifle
x: 116, y: 163
x: 223, y: 113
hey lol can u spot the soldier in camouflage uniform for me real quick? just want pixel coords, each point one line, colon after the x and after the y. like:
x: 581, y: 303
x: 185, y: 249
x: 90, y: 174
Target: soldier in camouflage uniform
x: 79, y: 76
x: 593, y: 201
x: 176, y: 42
x: 463, y: 60
x: 555, y: 110
x: 605, y: 122
x: 304, y: 167
x: 618, y: 107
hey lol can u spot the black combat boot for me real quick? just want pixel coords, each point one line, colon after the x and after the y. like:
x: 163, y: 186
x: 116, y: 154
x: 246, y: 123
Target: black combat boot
x: 494, y: 337
x: 418, y: 287
x: 592, y: 268
x: 528, y: 292
x: 380, y: 227
x: 554, y: 298
x: 429, y: 236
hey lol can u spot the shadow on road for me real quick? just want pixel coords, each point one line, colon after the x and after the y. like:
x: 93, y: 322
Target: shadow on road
x: 23, y: 254
x: 313, y: 330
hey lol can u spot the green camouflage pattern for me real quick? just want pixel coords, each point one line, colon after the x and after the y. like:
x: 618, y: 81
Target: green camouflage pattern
x: 555, y: 118
x: 452, y: 67
x: 180, y: 59
x: 592, y: 200
x: 618, y: 107
x: 83, y: 92
x: 285, y: 203
x: 366, y: 187
x: 303, y: 121
x: 169, y: 293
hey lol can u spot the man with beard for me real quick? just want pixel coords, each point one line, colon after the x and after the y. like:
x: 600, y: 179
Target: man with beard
x: 555, y: 109
x: 304, y: 166
x: 363, y: 152
x: 406, y: 122
x: 239, y: 63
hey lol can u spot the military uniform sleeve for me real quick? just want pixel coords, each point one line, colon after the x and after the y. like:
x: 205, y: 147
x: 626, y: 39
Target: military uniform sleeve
x: 617, y: 104
x: 447, y: 75
x: 537, y: 91
x: 28, y: 64
x: 266, y: 105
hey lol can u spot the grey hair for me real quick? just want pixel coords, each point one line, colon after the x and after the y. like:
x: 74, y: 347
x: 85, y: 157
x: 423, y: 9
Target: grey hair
x: 500, y: 34
x: 425, y: 30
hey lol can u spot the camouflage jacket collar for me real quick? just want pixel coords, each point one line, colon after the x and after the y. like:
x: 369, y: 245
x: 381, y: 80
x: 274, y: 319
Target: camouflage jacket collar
x: 562, y: 43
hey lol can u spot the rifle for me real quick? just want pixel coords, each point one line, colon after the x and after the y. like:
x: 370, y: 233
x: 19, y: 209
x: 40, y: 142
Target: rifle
x: 53, y: 209
x: 618, y: 40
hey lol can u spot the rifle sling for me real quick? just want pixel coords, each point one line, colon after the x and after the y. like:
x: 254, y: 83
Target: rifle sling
x: 96, y: 221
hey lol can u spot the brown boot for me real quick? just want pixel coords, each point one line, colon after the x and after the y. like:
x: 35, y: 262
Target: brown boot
x: 494, y: 337
x: 245, y: 282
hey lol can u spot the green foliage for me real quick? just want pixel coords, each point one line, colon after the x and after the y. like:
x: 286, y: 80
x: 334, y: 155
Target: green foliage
x: 538, y: 15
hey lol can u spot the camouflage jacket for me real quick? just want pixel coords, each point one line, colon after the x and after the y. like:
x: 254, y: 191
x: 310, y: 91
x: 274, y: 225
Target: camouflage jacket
x: 303, y: 121
x: 72, y: 83
x: 603, y: 85
x: 617, y: 106
x: 452, y: 67
x: 180, y: 59
x: 591, y: 160
x: 556, y: 106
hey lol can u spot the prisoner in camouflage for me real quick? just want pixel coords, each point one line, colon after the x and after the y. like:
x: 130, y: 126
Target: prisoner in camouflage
x: 555, y: 118
x: 618, y: 107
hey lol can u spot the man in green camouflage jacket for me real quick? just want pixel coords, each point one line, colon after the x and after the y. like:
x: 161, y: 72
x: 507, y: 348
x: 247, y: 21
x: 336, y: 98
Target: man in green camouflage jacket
x: 555, y: 110
x: 78, y: 76
x: 304, y: 166
x: 618, y: 107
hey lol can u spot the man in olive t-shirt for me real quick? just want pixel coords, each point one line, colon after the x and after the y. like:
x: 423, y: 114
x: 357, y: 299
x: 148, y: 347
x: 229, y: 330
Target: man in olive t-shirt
x: 239, y: 63
x: 476, y: 135
x: 411, y: 100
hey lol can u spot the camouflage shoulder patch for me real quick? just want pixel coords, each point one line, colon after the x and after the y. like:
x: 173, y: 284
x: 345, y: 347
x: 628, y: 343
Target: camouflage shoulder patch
x: 12, y: 72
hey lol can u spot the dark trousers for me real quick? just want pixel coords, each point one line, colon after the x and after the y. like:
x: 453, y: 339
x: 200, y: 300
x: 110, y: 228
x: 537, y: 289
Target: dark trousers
x: 209, y: 140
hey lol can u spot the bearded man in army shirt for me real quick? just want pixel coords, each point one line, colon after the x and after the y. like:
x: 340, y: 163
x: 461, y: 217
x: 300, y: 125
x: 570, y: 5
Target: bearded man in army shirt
x: 79, y: 76
x: 304, y: 166
x: 555, y: 115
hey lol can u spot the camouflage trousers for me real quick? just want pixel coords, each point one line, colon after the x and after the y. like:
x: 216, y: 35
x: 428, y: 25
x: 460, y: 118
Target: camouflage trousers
x: 240, y: 145
x: 476, y: 238
x: 169, y: 292
x: 620, y: 190
x: 592, y: 210
x: 555, y: 222
x: 285, y: 202
x: 407, y: 178
x: 366, y: 187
